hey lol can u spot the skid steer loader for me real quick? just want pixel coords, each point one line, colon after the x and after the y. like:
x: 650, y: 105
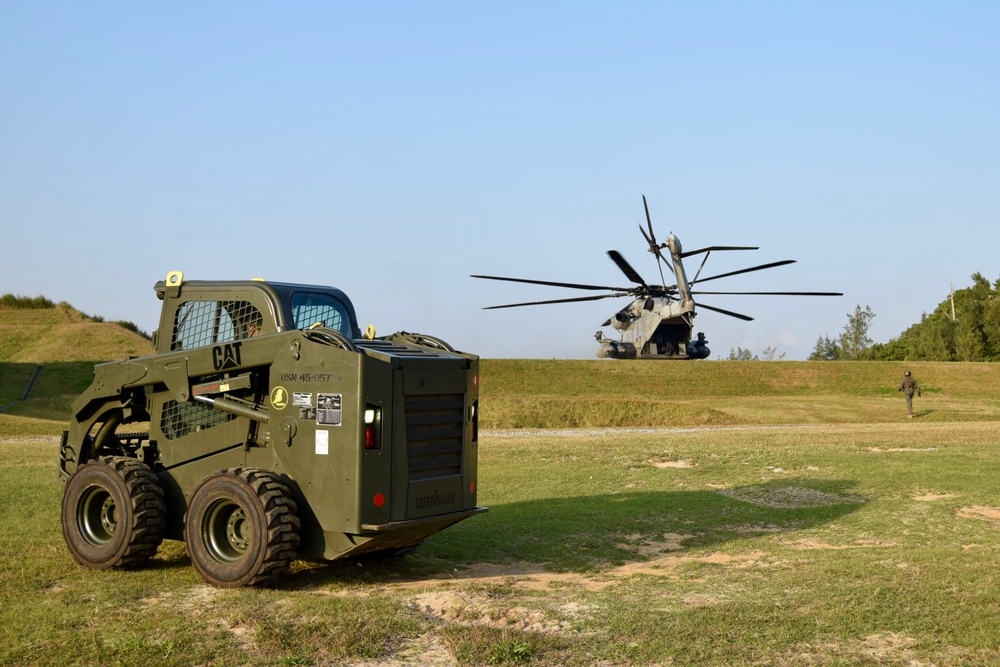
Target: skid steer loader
x: 265, y: 428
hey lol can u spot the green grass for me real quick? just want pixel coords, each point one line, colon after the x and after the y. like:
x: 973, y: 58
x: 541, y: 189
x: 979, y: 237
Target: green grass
x: 517, y: 394
x: 838, y: 544
x: 57, y: 386
x: 553, y: 394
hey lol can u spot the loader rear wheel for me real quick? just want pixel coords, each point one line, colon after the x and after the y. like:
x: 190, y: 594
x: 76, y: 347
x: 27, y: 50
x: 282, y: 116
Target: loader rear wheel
x: 241, y: 528
x: 113, y: 514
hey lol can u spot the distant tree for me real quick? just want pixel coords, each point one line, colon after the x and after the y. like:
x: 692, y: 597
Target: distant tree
x: 969, y: 331
x: 771, y: 354
x: 854, y: 342
x: 894, y: 350
x: 826, y: 350
x: 739, y: 354
x: 991, y: 326
x: 935, y: 340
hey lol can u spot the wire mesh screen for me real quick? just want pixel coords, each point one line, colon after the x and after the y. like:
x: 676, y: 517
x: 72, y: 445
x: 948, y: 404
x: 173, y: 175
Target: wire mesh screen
x: 201, y: 323
x: 180, y: 419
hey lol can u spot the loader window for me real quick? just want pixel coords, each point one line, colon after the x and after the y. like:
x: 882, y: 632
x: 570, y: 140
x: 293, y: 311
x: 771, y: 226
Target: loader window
x: 202, y: 323
x: 308, y: 308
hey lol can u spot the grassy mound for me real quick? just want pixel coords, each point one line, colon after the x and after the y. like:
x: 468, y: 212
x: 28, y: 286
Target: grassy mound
x: 54, y: 346
x: 62, y: 333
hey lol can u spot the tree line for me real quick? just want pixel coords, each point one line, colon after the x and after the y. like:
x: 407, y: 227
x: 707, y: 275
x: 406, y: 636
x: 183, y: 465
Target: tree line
x: 964, y: 327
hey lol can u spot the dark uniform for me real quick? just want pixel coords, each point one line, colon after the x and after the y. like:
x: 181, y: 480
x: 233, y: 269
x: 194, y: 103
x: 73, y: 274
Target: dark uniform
x: 908, y: 386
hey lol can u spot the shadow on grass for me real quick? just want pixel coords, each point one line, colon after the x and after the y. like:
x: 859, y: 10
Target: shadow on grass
x: 171, y: 555
x: 589, y: 533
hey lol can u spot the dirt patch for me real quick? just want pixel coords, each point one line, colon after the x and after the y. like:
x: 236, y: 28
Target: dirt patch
x: 788, y: 497
x: 199, y: 600
x: 530, y: 576
x: 193, y: 601
x: 426, y: 651
x: 807, y: 544
x: 886, y: 648
x: 901, y: 449
x: 980, y: 512
x: 244, y: 635
x: 492, y: 595
x: 660, y: 559
x: 672, y: 464
x: 668, y: 565
x: 702, y: 600
x: 472, y: 608
x: 652, y: 549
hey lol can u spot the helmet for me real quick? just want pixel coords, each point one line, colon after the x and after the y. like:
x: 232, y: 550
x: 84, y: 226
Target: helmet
x: 907, y: 373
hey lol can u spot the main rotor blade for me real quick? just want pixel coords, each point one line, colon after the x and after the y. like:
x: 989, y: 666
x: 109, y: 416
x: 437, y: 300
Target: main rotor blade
x: 718, y: 247
x: 553, y: 284
x: 726, y: 312
x: 655, y: 249
x: 571, y: 300
x: 752, y: 268
x: 626, y: 268
x: 778, y: 293
x: 649, y: 221
x: 650, y: 241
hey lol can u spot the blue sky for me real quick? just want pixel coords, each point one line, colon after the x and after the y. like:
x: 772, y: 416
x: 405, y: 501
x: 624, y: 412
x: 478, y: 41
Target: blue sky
x: 392, y: 149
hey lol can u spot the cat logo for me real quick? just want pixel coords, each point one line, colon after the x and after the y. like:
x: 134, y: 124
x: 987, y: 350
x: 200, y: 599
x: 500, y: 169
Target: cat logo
x: 226, y: 356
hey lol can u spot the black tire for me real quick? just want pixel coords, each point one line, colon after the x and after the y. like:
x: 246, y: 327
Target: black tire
x: 241, y: 528
x: 113, y: 514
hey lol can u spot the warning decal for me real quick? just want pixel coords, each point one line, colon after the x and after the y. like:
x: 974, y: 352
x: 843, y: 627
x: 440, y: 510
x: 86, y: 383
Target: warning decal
x: 328, y: 409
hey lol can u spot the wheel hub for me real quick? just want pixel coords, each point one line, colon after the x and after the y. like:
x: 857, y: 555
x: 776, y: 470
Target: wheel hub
x: 109, y: 516
x: 227, y: 531
x: 97, y: 516
x: 238, y: 530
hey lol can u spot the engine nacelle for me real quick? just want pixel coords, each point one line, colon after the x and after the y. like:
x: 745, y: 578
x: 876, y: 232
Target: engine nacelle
x: 630, y: 313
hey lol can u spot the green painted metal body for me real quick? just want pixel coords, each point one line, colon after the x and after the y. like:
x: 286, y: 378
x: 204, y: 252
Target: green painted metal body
x: 377, y: 438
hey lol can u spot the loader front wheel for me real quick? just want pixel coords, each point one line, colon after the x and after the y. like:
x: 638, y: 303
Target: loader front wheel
x: 113, y: 514
x: 241, y: 528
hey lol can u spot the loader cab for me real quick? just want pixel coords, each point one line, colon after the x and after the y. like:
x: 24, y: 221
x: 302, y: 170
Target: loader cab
x: 201, y: 313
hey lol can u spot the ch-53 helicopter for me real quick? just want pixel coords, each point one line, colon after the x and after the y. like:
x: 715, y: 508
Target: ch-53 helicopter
x: 659, y: 322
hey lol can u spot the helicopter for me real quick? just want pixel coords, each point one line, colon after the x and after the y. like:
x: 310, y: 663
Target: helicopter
x: 659, y: 321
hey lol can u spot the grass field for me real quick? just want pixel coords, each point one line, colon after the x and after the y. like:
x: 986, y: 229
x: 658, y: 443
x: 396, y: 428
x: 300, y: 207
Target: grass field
x: 747, y: 514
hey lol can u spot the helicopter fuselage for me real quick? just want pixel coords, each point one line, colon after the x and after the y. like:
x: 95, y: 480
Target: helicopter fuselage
x: 654, y: 328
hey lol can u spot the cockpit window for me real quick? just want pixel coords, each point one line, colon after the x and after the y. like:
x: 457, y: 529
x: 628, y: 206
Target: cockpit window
x: 309, y: 308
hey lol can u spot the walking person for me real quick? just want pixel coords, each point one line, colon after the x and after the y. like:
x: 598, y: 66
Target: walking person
x: 908, y: 386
